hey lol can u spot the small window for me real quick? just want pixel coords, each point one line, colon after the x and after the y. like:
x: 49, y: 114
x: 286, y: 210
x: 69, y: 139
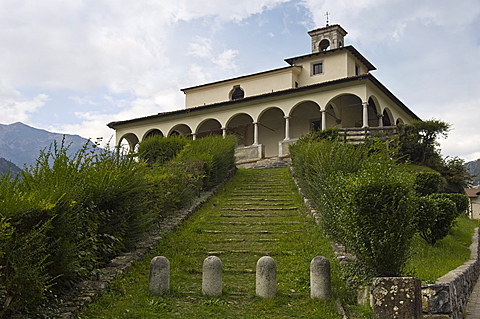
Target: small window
x: 296, y: 84
x: 357, y: 69
x: 317, y: 68
x: 237, y: 93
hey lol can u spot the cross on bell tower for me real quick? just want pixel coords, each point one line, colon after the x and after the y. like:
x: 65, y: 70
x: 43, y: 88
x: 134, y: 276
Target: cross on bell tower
x: 327, y: 38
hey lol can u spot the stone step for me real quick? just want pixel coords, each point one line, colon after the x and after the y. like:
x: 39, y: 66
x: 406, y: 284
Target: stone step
x: 255, y: 223
x: 261, y: 199
x: 249, y: 209
x: 252, y: 231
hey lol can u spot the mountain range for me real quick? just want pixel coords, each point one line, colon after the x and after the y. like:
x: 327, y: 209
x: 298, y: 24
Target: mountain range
x: 21, y: 144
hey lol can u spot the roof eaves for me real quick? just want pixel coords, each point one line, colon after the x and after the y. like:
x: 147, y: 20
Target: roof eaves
x: 349, y: 48
x: 238, y: 78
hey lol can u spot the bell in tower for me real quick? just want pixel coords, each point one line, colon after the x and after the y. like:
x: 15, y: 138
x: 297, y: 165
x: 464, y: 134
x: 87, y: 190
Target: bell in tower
x: 327, y: 38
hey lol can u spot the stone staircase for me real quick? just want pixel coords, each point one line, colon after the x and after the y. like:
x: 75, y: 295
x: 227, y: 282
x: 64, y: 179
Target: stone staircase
x: 257, y: 219
x: 271, y: 162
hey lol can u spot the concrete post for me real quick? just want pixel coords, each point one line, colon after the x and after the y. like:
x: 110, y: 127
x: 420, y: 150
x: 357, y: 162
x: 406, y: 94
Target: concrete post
x: 159, y: 275
x: 266, y: 277
x: 320, y: 283
x: 212, y: 277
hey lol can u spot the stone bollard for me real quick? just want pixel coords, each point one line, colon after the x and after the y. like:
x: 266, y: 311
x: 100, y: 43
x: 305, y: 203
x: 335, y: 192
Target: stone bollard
x: 397, y: 298
x: 320, y: 284
x: 159, y: 275
x: 212, y: 277
x: 266, y: 277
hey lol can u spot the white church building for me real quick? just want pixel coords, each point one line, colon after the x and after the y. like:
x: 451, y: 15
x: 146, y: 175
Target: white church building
x: 331, y: 87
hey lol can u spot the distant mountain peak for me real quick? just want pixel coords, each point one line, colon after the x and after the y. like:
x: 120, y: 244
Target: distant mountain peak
x: 21, y: 144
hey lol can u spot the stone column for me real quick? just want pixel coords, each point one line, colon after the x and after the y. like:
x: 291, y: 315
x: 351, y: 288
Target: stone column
x: 397, y: 298
x: 365, y: 114
x: 212, y: 277
x: 324, y: 119
x: 320, y: 283
x: 224, y: 132
x: 287, y: 127
x: 159, y: 275
x: 194, y: 136
x: 255, y: 133
x: 266, y: 277
x: 380, y: 120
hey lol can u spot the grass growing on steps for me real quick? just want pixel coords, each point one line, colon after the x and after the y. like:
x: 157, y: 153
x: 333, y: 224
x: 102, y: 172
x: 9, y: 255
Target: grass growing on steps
x: 259, y: 212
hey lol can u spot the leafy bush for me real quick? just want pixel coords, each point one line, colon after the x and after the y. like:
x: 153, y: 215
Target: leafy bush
x: 364, y: 198
x: 435, y: 216
x: 461, y: 201
x: 159, y: 149
x: 380, y: 228
x: 427, y: 183
x: 217, y: 154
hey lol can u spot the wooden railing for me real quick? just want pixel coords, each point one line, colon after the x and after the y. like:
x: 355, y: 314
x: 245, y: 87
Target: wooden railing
x: 361, y: 134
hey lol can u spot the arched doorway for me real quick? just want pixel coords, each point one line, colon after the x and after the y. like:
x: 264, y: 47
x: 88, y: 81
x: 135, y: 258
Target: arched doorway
x: 372, y: 113
x: 349, y: 109
x: 209, y: 127
x: 271, y: 130
x: 127, y: 143
x: 387, y: 117
x: 304, y: 118
x: 241, y: 126
x: 153, y: 132
x: 181, y: 129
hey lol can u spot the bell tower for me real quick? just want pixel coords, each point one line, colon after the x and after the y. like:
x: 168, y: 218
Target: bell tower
x: 327, y: 38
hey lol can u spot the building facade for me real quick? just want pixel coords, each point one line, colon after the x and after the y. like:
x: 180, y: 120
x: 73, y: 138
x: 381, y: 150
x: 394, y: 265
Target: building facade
x: 331, y: 87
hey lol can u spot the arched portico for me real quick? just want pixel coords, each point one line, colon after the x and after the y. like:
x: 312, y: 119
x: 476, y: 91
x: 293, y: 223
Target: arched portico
x: 271, y: 130
x: 349, y: 108
x: 180, y: 129
x: 209, y: 127
x: 373, y: 108
x: 387, y: 117
x: 128, y: 142
x: 304, y: 117
x: 241, y: 126
x: 152, y: 132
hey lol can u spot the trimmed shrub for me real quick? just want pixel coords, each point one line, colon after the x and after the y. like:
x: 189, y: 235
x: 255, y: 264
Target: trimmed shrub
x: 461, y: 201
x: 364, y: 199
x: 159, y: 149
x: 435, y: 217
x: 427, y: 183
x: 381, y: 223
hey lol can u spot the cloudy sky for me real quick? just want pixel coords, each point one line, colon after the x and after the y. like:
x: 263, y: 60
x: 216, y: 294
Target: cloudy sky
x: 74, y: 66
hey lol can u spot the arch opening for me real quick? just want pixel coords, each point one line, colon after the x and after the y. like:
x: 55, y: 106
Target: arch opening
x: 241, y: 126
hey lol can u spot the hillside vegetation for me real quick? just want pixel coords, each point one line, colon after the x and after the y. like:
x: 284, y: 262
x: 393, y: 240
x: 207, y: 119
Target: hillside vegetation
x: 65, y: 217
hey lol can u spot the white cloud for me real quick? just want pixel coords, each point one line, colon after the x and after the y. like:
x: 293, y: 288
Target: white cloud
x: 226, y: 60
x: 15, y: 107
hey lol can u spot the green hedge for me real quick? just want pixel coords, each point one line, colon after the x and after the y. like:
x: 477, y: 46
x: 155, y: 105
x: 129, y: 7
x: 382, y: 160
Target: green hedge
x: 65, y: 217
x: 364, y: 199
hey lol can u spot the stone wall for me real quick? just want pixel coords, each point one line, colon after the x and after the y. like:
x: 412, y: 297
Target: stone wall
x: 448, y: 297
